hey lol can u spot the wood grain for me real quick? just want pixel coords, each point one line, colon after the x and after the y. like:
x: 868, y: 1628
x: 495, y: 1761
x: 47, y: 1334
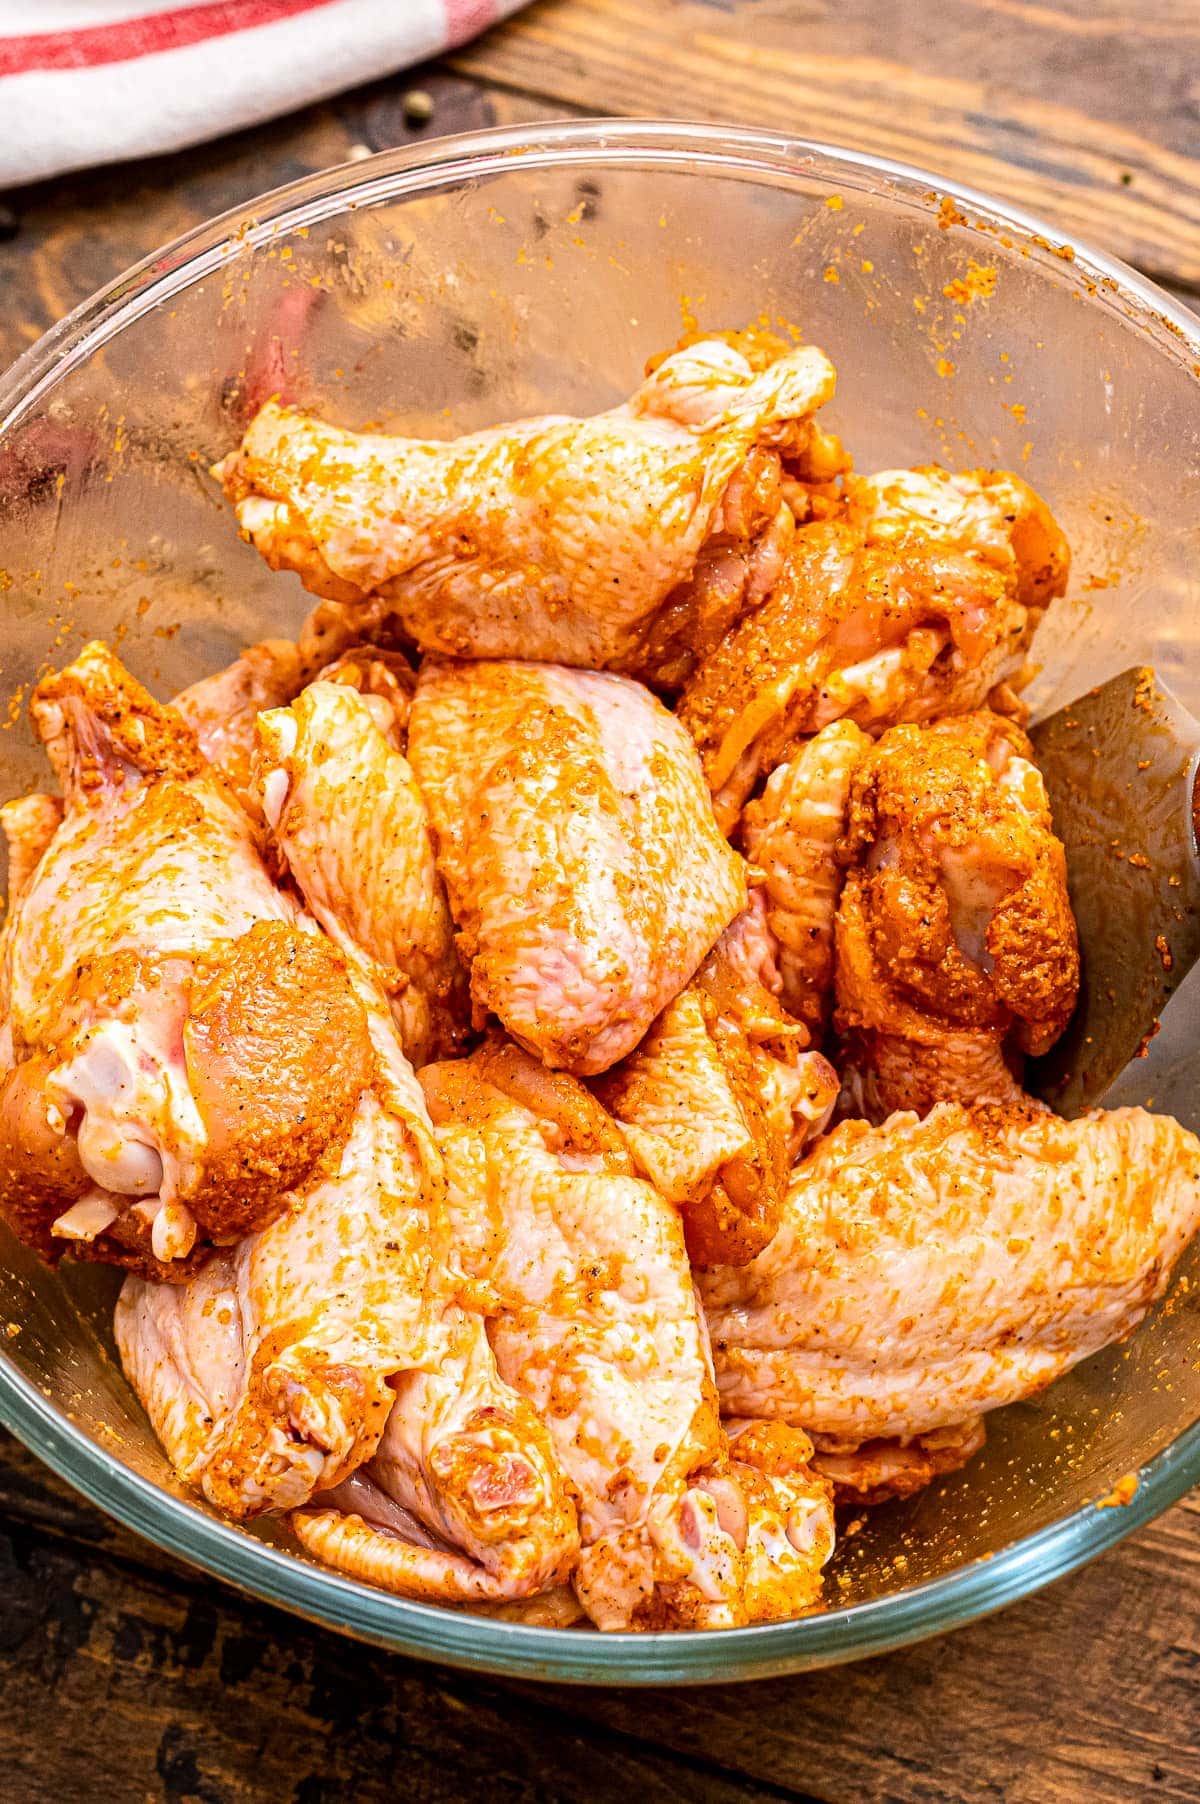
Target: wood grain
x: 162, y: 1684
x: 124, y: 1678
x: 1085, y: 112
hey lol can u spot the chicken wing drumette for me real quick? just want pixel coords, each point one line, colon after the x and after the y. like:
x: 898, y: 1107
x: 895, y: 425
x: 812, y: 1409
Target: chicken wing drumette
x: 182, y: 1046
x: 881, y: 615
x: 556, y: 539
x: 922, y: 873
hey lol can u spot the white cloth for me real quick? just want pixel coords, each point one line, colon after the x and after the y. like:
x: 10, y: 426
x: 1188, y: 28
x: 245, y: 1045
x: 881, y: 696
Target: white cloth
x: 96, y: 81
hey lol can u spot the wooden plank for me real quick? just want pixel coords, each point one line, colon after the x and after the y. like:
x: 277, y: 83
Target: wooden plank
x: 121, y: 1680
x: 1084, y: 112
x: 1088, y: 1692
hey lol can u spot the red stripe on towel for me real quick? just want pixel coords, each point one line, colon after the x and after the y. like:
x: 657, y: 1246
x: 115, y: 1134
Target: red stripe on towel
x: 128, y: 39
x: 466, y: 18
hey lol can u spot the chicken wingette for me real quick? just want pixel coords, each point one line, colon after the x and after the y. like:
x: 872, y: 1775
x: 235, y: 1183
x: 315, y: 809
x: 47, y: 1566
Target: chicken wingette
x: 928, y: 1271
x: 575, y: 837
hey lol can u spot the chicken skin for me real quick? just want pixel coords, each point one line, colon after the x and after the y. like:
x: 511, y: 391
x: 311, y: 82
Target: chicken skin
x: 956, y: 945
x: 183, y: 1048
x: 717, y: 1101
x: 464, y: 1500
x: 221, y: 709
x: 991, y: 515
x: 789, y: 1518
x: 269, y: 1373
x: 577, y: 844
x: 345, y: 810
x: 928, y: 1271
x: 554, y: 539
x: 329, y: 1362
x: 877, y: 625
x: 594, y: 1319
x: 792, y: 834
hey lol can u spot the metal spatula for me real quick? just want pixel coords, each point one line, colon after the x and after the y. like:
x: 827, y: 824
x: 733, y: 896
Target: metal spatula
x: 1121, y: 767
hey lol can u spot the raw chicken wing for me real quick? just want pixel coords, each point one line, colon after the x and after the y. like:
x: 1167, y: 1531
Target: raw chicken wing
x: 182, y: 1046
x: 716, y: 1102
x: 956, y: 945
x: 595, y: 1320
x: 556, y: 539
x: 576, y: 839
x: 873, y: 625
x: 792, y: 834
x: 927, y: 1271
x: 741, y: 976
x: 330, y: 1362
x: 346, y: 812
x: 270, y: 1373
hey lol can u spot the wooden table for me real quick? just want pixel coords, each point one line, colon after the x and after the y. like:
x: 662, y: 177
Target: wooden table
x: 126, y: 1676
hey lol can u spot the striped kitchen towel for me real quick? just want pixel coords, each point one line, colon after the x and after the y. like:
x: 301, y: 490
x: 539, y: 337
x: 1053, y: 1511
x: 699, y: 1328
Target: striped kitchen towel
x: 95, y: 81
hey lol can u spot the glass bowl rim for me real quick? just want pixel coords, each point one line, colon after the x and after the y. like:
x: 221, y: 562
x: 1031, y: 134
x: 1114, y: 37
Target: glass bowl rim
x: 466, y: 1640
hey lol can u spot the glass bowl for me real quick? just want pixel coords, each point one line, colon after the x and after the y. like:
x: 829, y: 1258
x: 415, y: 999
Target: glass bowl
x: 516, y: 271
